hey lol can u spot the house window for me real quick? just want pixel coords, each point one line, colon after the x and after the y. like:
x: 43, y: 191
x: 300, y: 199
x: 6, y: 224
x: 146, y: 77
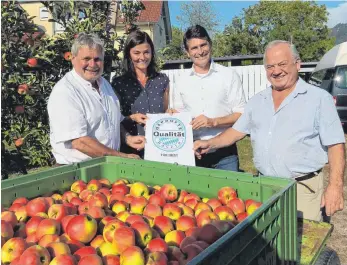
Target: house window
x: 43, y: 13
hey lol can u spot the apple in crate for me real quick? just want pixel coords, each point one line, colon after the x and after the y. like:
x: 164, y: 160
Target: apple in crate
x: 226, y: 194
x: 157, y: 244
x: 253, y: 206
x: 12, y: 249
x: 132, y: 256
x: 82, y: 228
x: 169, y: 192
x: 139, y: 189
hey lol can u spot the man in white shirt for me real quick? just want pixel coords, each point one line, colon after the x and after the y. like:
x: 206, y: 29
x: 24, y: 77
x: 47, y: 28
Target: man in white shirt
x: 214, y: 96
x: 84, y: 111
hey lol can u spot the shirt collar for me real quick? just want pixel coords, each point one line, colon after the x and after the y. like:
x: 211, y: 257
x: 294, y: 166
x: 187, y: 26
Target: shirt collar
x: 213, y: 68
x: 300, y: 88
x: 85, y: 82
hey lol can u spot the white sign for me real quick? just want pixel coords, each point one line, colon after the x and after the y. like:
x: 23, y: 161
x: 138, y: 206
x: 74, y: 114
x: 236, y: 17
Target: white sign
x: 169, y: 138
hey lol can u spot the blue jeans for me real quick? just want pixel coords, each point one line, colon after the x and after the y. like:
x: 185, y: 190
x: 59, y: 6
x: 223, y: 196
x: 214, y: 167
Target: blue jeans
x: 225, y: 159
x: 228, y: 163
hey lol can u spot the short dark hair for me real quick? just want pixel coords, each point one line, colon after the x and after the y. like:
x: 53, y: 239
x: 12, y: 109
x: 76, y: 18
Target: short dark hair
x: 135, y: 38
x: 195, y: 32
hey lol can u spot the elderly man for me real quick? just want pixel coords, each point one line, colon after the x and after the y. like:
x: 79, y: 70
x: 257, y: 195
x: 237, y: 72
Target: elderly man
x: 213, y: 94
x: 84, y: 111
x: 295, y: 131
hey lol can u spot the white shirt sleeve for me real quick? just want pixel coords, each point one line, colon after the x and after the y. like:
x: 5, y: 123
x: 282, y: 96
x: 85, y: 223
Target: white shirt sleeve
x: 236, y: 94
x: 177, y: 98
x: 66, y: 116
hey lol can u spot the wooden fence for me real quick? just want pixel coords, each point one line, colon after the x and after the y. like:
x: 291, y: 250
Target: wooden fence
x: 253, y: 79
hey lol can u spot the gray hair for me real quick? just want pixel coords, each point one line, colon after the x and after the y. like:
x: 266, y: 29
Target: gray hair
x: 90, y: 40
x: 296, y: 55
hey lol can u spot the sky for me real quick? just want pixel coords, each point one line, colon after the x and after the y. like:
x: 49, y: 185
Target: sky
x: 226, y: 10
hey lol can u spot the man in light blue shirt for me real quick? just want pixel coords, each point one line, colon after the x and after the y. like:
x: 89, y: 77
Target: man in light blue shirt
x: 295, y: 130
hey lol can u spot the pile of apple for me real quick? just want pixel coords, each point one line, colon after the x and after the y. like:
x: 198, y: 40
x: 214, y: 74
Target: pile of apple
x: 99, y: 223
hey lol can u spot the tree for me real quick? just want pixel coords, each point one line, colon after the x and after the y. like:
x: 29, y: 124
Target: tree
x: 302, y: 22
x: 30, y: 68
x: 199, y: 12
x: 175, y: 49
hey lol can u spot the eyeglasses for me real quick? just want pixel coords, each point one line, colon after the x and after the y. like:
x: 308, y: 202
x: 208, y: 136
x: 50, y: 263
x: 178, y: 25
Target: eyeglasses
x: 281, y: 65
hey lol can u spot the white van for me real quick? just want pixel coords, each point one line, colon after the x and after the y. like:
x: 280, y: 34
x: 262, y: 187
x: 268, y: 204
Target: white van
x: 331, y: 74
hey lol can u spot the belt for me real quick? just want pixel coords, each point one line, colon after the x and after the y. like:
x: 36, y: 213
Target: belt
x: 305, y: 177
x: 308, y: 176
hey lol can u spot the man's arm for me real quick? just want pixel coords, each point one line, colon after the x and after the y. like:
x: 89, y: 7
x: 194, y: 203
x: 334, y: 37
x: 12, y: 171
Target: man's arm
x: 332, y: 198
x: 227, y: 121
x: 228, y: 137
x: 94, y: 148
x: 204, y: 122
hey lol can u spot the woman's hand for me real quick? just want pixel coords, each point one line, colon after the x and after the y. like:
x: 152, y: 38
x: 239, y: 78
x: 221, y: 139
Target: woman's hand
x: 139, y: 118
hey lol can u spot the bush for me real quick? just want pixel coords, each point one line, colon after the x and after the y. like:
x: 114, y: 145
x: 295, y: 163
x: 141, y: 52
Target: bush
x: 32, y: 64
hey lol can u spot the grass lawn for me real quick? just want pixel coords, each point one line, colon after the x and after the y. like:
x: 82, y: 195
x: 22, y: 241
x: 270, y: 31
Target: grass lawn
x: 245, y: 155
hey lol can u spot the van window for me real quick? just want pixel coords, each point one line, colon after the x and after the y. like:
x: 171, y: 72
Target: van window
x: 341, y: 77
x: 322, y: 78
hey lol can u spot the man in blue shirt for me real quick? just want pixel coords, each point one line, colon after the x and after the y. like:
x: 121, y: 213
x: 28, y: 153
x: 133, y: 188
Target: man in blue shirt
x: 295, y: 130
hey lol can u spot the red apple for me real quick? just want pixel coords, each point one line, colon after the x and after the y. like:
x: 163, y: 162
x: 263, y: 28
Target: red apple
x: 132, y: 256
x: 157, y: 199
x: 84, y: 251
x: 36, y: 254
x: 163, y: 225
x: 48, y: 227
x: 169, y: 192
x: 174, y: 238
x: 36, y: 205
x: 90, y: 260
x: 57, y: 212
x: 152, y: 210
x: 225, y: 213
x: 226, y: 194
x: 12, y: 249
x: 22, y: 200
x: 6, y: 231
x: 32, y: 62
x: 78, y: 186
x: 47, y: 239
x: 82, y: 228
x: 172, y: 211
x: 110, y: 228
x: 185, y: 222
x: 214, y: 203
x: 156, y: 258
x: 138, y: 204
x: 111, y: 260
x: 120, y: 188
x: 64, y: 259
x: 58, y: 248
x: 143, y: 233
x: 157, y: 244
x: 183, y: 194
x: 205, y: 217
x: 252, y: 207
x: 124, y: 238
x: 94, y: 185
x: 237, y: 205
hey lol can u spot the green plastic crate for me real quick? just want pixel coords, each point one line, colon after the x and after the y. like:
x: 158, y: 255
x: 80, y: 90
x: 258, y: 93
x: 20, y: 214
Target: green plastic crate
x: 268, y: 236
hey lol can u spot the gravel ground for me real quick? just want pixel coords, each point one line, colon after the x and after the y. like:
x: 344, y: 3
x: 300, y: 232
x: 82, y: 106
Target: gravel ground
x: 338, y: 239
